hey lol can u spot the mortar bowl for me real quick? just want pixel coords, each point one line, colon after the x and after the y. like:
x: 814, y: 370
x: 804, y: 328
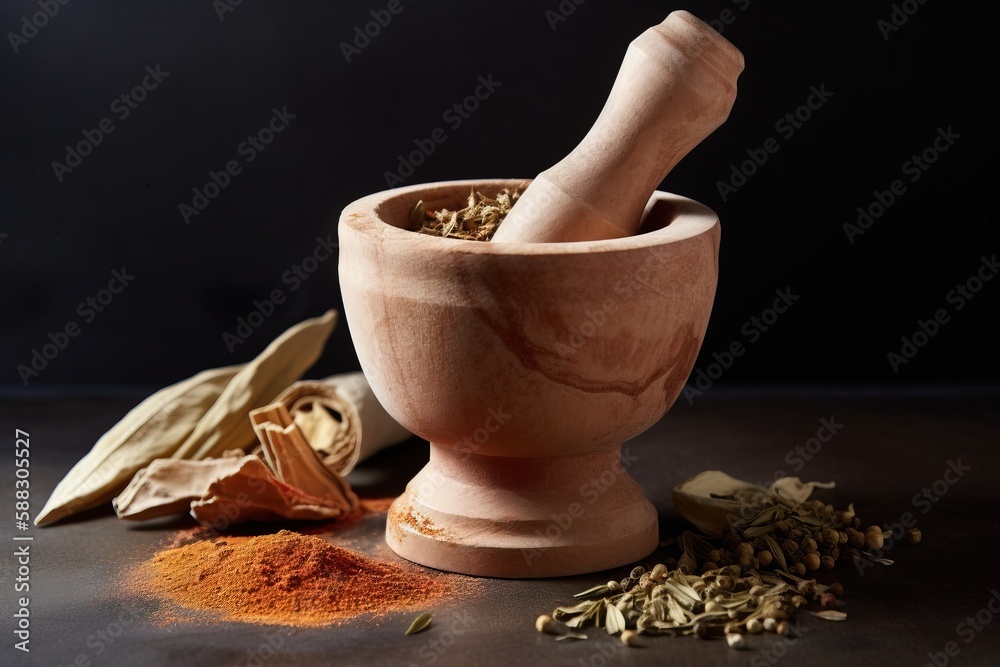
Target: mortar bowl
x: 526, y: 367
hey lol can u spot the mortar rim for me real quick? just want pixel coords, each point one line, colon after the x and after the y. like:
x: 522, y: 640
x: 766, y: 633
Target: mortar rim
x: 365, y: 216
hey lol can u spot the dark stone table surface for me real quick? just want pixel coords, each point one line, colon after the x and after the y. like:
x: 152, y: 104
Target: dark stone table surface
x: 940, y: 596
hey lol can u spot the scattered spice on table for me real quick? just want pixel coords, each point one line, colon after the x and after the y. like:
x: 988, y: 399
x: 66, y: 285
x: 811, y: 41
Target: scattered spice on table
x: 749, y: 580
x: 286, y: 578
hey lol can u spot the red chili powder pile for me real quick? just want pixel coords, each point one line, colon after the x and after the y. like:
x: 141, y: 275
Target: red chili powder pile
x: 286, y: 578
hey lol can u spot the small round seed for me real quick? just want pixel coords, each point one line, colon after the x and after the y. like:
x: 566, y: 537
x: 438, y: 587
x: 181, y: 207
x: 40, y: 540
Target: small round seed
x: 913, y: 535
x: 874, y: 538
x: 770, y: 624
x: 764, y: 558
x: 544, y: 624
x: 630, y: 638
x: 782, y: 629
x: 808, y: 544
x: 735, y: 640
x: 800, y: 569
x: 837, y: 589
x: 812, y: 560
x: 754, y: 626
x: 828, y: 562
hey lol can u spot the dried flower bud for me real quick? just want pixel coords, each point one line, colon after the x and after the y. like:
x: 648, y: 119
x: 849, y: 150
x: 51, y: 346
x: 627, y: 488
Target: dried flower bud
x: 544, y: 624
x: 725, y: 582
x: 754, y: 626
x: 913, y: 535
x: 782, y: 629
x: 714, y: 556
x: 744, y: 549
x: 735, y: 640
x: 874, y: 538
x: 658, y: 573
x: 770, y: 624
x: 712, y: 605
x: 799, y: 602
x: 630, y: 638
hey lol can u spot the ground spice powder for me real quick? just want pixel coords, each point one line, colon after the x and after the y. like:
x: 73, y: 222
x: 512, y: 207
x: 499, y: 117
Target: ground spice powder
x: 287, y: 578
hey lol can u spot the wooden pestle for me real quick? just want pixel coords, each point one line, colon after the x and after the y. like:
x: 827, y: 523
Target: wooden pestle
x: 676, y: 85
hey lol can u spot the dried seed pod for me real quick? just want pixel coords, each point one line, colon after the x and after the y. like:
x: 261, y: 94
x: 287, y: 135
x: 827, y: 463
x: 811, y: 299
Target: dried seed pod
x: 789, y: 547
x: 874, y: 538
x: 830, y: 536
x: 627, y: 584
x: 855, y: 537
x: 714, y: 556
x: 725, y: 582
x: 800, y: 569
x: 799, y: 602
x: 808, y: 544
x: 658, y: 573
x: 637, y: 572
x: 913, y: 535
x: 842, y: 537
x: 744, y: 549
x: 764, y: 558
x: 708, y: 566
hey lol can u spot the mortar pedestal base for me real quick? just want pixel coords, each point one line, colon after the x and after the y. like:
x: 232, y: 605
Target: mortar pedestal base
x: 498, y: 516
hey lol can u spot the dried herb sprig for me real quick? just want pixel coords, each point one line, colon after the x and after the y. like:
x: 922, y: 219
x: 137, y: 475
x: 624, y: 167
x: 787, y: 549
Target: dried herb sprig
x: 478, y: 221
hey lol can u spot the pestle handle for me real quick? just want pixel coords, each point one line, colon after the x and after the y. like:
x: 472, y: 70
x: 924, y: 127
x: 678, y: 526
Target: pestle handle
x: 676, y: 85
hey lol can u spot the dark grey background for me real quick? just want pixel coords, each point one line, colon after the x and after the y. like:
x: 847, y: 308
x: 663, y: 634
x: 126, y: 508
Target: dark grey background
x: 782, y: 229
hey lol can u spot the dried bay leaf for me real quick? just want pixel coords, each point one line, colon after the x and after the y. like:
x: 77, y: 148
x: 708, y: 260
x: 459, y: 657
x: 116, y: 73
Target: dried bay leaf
x: 151, y: 430
x: 192, y: 419
x: 225, y: 425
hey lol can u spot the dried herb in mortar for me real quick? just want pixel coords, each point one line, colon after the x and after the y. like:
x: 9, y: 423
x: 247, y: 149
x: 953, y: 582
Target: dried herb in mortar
x: 478, y: 221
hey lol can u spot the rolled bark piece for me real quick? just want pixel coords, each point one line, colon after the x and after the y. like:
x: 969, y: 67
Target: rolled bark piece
x: 338, y: 416
x: 289, y: 483
x: 169, y: 486
x: 202, y: 416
